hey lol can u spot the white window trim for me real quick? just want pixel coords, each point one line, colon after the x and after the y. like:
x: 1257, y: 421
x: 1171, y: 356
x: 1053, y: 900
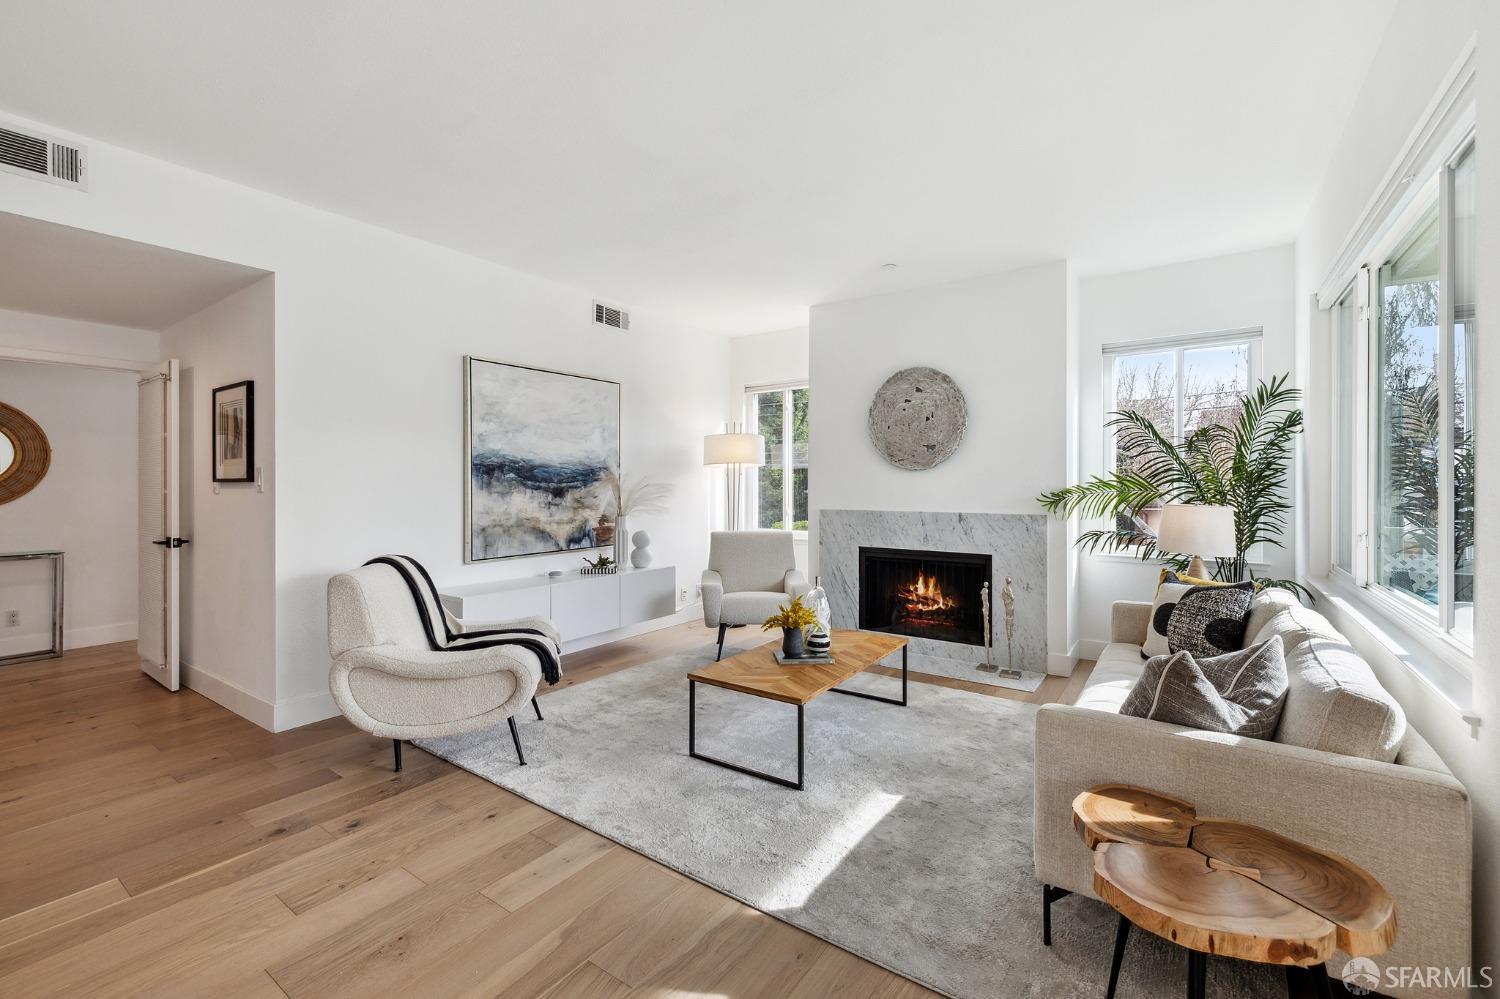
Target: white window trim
x: 751, y: 488
x: 1251, y: 336
x: 1421, y: 174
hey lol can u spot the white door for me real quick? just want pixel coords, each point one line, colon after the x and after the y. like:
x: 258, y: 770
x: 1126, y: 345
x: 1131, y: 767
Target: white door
x: 159, y: 547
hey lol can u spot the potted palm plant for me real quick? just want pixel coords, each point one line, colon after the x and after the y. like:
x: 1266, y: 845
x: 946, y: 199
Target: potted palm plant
x: 1244, y: 464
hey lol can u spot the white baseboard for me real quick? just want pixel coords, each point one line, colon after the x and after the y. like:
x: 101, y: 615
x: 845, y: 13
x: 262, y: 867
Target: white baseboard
x: 294, y: 712
x: 219, y: 690
x: 1061, y: 664
x: 1090, y: 648
x: 73, y: 638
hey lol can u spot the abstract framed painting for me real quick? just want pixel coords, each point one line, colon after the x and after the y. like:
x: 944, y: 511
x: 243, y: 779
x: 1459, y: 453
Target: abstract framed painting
x: 234, y: 432
x: 541, y: 447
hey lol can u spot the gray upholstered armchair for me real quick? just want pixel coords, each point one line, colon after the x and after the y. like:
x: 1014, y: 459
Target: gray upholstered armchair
x: 750, y: 574
x: 389, y: 681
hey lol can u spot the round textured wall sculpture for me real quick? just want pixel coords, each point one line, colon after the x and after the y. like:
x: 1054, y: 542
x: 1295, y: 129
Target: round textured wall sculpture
x: 30, y: 454
x: 917, y: 419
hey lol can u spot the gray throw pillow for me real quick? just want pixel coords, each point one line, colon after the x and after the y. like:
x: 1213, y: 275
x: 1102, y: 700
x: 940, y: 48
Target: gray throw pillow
x: 1240, y: 693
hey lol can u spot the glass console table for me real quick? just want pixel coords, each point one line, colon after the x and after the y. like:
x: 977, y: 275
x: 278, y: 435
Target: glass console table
x: 57, y: 607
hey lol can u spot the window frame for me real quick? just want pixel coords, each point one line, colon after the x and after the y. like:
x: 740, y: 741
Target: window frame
x: 751, y: 488
x: 1434, y: 186
x: 1178, y: 345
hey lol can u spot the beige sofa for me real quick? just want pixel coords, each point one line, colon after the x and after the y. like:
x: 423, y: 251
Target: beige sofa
x: 1344, y: 774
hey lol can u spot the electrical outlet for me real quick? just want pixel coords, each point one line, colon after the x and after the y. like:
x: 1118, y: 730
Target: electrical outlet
x: 13, y: 619
x: 682, y: 595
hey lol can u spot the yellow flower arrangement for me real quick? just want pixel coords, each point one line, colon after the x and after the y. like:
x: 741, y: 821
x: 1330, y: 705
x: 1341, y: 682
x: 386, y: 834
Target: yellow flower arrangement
x: 793, y: 615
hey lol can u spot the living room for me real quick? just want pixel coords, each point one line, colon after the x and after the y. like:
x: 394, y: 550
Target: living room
x: 639, y: 388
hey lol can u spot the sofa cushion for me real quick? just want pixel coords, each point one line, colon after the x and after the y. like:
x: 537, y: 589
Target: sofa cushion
x: 1113, y: 676
x: 1335, y: 704
x: 1239, y: 693
x: 750, y: 606
x: 1295, y: 624
x: 1266, y: 605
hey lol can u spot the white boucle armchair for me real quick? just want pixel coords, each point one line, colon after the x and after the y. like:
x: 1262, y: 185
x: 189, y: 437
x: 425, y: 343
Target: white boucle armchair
x: 750, y: 575
x: 388, y: 681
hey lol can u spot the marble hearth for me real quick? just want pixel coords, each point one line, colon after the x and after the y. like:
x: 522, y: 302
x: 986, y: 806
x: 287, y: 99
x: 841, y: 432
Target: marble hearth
x: 1017, y: 546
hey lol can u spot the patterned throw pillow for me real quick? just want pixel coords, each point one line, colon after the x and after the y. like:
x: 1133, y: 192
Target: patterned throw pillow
x: 1241, y: 693
x: 1203, y: 620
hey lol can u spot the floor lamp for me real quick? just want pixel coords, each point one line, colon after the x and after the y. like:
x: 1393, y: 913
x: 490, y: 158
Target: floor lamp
x: 734, y: 449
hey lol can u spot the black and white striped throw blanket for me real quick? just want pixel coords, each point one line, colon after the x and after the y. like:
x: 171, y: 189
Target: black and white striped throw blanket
x: 430, y: 609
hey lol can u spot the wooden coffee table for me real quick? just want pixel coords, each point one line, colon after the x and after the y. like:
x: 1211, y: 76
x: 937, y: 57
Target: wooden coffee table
x: 757, y: 673
x: 1227, y: 888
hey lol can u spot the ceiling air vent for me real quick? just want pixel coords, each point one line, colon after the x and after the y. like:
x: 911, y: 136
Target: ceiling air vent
x: 31, y: 154
x: 608, y: 315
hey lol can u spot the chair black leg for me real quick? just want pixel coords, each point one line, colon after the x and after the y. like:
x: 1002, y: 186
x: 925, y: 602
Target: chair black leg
x: 396, y: 745
x: 1122, y: 934
x: 1050, y: 895
x: 537, y: 708
x: 722, y: 629
x: 516, y: 735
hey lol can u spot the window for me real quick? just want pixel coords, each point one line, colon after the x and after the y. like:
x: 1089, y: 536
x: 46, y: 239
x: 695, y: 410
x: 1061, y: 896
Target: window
x: 1182, y: 386
x: 1403, y: 523
x: 779, y: 496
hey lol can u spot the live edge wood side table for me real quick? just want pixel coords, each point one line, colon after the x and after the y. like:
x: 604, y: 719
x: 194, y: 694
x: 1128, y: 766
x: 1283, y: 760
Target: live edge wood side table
x: 1227, y: 888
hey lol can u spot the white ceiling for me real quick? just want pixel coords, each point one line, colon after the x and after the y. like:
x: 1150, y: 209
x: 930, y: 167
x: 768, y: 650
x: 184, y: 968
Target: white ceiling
x: 55, y: 270
x: 732, y: 163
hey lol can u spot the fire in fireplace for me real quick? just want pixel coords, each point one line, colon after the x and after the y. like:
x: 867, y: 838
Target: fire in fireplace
x: 923, y: 594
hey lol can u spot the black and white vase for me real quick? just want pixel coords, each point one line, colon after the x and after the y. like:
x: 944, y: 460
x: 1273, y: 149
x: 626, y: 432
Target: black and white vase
x: 818, y: 643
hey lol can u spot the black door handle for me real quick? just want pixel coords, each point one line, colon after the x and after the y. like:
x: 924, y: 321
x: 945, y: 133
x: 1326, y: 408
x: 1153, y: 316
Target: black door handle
x: 173, y: 542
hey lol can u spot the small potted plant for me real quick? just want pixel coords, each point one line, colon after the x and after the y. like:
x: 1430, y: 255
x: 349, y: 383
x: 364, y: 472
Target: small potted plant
x: 792, y: 619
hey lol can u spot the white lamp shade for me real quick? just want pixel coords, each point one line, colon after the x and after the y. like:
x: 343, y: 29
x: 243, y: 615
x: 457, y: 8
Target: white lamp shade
x: 734, y: 449
x: 1197, y: 530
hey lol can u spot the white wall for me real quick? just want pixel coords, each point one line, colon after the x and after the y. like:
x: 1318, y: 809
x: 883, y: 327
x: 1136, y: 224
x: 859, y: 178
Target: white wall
x: 29, y: 331
x: 228, y: 586
x: 370, y: 331
x: 1004, y: 339
x: 1421, y: 46
x: 1221, y: 293
x: 773, y: 358
x: 766, y: 359
x: 84, y: 506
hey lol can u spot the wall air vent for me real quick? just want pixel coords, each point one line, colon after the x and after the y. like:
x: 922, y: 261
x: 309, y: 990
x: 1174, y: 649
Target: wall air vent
x: 31, y: 154
x: 614, y: 318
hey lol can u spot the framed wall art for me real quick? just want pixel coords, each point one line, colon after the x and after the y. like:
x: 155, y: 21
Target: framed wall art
x: 541, y: 449
x: 234, y: 432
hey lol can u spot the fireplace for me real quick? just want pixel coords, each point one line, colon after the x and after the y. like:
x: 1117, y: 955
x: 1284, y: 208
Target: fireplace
x: 923, y: 594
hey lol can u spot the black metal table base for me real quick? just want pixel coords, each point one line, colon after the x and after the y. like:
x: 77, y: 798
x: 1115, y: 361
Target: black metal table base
x: 797, y: 784
x: 878, y: 697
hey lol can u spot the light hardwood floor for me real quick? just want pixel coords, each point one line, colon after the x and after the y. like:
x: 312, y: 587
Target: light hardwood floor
x: 157, y: 844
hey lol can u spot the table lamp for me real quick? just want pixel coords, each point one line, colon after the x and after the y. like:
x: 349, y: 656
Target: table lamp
x: 1197, y: 531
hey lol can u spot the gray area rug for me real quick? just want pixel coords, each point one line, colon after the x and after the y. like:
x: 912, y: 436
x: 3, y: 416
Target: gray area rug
x: 910, y: 845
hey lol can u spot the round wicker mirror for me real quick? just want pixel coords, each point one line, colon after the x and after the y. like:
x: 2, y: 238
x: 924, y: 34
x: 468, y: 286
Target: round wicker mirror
x: 24, y: 455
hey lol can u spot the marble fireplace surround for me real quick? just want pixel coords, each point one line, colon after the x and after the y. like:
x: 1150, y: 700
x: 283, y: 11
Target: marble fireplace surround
x: 1017, y: 543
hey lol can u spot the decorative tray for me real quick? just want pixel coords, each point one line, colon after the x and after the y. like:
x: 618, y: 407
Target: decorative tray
x: 802, y: 660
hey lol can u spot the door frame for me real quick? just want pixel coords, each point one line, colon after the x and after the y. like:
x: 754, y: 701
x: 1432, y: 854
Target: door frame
x: 10, y: 352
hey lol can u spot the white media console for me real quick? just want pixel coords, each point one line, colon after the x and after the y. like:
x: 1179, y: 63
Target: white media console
x: 579, y: 605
